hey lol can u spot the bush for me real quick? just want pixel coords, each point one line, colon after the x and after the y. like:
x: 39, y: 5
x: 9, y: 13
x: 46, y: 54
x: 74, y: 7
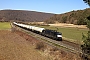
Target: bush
x: 40, y: 46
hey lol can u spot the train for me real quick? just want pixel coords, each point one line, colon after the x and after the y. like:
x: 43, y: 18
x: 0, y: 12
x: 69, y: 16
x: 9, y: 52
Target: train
x: 53, y: 34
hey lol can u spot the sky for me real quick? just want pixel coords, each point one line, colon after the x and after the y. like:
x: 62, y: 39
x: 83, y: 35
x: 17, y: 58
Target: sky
x: 48, y: 6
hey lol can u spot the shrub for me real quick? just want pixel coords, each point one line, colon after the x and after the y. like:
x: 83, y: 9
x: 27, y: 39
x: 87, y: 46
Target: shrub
x: 40, y: 46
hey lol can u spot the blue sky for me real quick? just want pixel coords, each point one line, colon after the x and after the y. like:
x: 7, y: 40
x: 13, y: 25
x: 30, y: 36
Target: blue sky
x: 49, y: 6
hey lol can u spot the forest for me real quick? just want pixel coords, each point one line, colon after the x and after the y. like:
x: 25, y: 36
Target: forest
x: 78, y: 17
x: 23, y: 16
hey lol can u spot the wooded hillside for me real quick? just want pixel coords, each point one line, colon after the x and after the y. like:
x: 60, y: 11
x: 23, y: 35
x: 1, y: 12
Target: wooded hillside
x: 78, y: 17
x: 21, y: 15
x: 74, y: 17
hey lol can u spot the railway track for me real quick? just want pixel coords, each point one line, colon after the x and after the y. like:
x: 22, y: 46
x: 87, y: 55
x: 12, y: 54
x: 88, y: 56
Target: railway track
x: 72, y: 47
x: 65, y: 44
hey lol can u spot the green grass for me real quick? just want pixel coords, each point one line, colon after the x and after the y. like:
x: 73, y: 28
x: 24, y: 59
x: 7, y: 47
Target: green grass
x: 71, y: 34
x: 4, y: 25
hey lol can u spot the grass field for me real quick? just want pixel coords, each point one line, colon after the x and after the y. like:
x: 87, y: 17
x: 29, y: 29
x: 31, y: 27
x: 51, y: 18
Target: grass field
x: 5, y: 25
x: 71, y: 34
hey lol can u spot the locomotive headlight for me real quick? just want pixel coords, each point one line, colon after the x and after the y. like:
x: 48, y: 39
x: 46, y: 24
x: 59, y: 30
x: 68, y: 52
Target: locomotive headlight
x: 59, y: 35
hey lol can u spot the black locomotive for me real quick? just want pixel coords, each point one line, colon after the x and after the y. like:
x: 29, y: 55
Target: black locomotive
x: 52, y: 34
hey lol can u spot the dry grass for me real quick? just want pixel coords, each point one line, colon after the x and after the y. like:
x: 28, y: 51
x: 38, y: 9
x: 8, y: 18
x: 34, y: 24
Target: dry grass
x: 18, y: 47
x: 52, y: 53
x: 68, y: 25
x: 58, y: 54
x: 14, y: 47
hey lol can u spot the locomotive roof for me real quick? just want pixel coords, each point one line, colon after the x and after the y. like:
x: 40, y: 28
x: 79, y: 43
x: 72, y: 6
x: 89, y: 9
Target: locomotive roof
x: 53, y: 31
